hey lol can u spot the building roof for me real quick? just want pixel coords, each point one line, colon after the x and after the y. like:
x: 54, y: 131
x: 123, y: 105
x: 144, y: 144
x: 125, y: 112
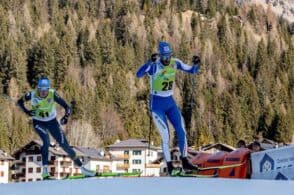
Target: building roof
x: 218, y: 146
x: 58, y: 151
x: 5, y: 156
x: 94, y: 153
x: 131, y: 143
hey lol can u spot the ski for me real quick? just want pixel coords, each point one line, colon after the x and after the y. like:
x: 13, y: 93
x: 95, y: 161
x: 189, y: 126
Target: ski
x: 182, y: 173
x: 98, y: 175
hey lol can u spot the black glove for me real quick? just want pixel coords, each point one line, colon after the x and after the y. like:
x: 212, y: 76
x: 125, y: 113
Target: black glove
x: 31, y: 112
x: 196, y: 60
x: 154, y: 57
x: 63, y: 120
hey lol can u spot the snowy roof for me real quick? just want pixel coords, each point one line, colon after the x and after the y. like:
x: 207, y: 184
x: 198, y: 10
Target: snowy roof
x: 218, y: 146
x: 34, y: 146
x: 5, y: 156
x: 131, y: 143
x: 93, y: 153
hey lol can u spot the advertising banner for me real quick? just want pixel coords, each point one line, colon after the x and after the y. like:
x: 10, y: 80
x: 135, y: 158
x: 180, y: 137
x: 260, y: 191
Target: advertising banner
x: 273, y: 164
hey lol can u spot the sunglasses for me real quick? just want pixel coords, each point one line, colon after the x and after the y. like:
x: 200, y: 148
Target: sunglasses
x: 43, y: 89
x: 165, y: 57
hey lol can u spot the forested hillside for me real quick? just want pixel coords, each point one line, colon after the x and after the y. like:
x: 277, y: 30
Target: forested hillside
x: 91, y: 49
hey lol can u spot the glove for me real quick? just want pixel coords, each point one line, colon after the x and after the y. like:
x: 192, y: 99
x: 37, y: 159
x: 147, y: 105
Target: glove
x: 196, y: 60
x: 31, y: 112
x: 63, y: 120
x: 154, y: 57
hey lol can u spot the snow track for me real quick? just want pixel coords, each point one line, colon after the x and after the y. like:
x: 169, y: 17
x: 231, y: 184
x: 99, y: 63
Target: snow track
x: 150, y: 186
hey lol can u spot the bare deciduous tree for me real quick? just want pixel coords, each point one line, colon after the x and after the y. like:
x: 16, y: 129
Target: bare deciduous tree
x: 81, y: 133
x: 111, y: 124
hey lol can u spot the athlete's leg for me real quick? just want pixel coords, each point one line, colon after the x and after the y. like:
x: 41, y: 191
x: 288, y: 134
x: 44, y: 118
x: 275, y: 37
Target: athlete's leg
x: 41, y: 130
x: 56, y: 131
x: 175, y: 117
x: 160, y: 121
x: 161, y: 124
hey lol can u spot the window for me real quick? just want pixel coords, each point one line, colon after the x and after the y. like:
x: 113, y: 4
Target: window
x: 137, y: 152
x: 24, y: 159
x: 126, y: 161
x: 136, y: 170
x: 126, y: 152
x: 38, y: 169
x: 53, y: 158
x: 31, y: 170
x: 31, y: 159
x: 1, y: 173
x: 39, y: 158
x: 2, y: 162
x: 52, y: 170
x: 30, y: 179
x: 137, y: 162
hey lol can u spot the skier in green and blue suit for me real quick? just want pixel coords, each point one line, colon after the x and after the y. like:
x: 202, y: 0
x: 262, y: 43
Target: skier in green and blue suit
x: 44, y: 115
x: 162, y: 73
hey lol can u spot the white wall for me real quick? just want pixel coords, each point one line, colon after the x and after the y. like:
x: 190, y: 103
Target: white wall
x: 34, y: 176
x: 145, y: 158
x: 4, y: 168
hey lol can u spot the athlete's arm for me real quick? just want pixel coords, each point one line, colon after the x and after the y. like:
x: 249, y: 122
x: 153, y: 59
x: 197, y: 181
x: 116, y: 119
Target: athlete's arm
x: 22, y: 100
x: 148, y: 68
x: 62, y: 102
x: 186, y: 68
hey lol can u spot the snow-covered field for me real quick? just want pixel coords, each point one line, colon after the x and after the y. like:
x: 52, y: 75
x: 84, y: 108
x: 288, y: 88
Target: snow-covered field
x: 151, y: 186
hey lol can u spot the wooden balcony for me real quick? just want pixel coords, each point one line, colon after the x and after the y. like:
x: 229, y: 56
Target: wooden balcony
x: 152, y: 165
x: 122, y: 156
x: 63, y: 163
x: 18, y: 175
x: 122, y: 166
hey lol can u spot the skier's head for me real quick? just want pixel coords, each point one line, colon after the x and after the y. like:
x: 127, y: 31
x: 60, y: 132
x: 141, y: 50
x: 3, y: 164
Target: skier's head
x: 43, y: 87
x: 165, y: 51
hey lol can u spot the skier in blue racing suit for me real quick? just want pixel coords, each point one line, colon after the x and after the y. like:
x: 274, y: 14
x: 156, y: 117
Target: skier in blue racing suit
x: 162, y: 73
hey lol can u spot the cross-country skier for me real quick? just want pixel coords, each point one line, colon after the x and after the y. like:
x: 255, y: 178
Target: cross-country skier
x: 162, y: 73
x: 44, y: 114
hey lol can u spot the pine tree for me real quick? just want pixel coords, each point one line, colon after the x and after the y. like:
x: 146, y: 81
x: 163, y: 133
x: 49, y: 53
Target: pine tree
x: 41, y: 60
x: 105, y: 39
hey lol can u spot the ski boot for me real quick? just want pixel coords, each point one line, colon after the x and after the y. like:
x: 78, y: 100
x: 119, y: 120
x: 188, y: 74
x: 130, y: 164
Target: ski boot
x: 171, y: 170
x: 187, y: 166
x: 47, y: 176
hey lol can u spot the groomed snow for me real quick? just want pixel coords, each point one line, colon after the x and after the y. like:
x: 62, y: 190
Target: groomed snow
x: 150, y: 186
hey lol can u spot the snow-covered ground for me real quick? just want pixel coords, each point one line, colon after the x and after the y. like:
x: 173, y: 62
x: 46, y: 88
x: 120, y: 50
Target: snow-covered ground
x: 150, y: 186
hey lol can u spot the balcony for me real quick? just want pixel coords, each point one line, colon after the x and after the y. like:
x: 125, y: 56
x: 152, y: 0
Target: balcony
x: 18, y: 175
x: 152, y: 165
x: 19, y: 163
x: 51, y: 162
x: 122, y: 166
x: 122, y: 156
x: 63, y: 163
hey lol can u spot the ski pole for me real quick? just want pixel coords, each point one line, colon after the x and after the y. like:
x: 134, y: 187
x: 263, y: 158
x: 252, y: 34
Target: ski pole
x: 153, y: 59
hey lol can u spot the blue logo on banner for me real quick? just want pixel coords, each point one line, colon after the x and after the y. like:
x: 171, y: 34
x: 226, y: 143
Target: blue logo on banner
x: 280, y: 176
x: 266, y: 164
